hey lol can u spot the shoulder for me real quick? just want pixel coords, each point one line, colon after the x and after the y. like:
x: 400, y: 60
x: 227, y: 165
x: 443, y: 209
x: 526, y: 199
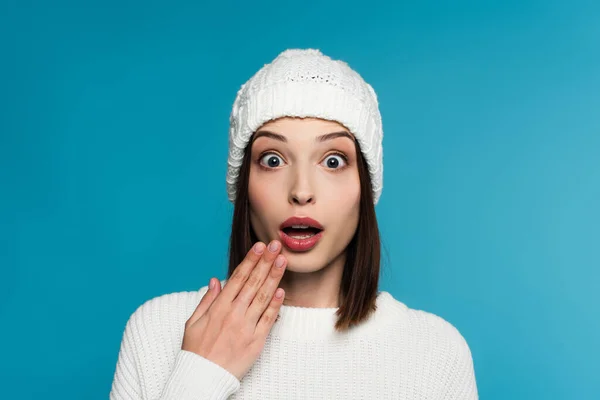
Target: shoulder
x: 452, y: 342
x: 449, y: 353
x: 425, y: 349
x: 427, y: 329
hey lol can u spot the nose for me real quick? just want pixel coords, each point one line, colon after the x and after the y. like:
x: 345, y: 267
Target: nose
x: 301, y: 191
x: 301, y: 198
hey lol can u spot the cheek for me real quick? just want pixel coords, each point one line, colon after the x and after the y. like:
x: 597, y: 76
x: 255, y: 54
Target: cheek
x: 342, y: 202
x: 342, y: 191
x: 264, y: 199
x: 352, y: 205
x: 261, y: 190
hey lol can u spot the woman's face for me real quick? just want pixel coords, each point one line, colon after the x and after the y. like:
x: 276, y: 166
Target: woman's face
x: 305, y: 168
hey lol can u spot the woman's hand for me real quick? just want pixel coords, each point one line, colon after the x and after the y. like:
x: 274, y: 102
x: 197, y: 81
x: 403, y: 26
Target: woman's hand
x: 230, y: 326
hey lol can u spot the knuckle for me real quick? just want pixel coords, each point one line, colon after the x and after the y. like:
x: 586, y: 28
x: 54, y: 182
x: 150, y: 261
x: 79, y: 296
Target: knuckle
x: 238, y: 276
x: 253, y: 281
x: 268, y: 318
x: 262, y: 298
x: 237, y: 305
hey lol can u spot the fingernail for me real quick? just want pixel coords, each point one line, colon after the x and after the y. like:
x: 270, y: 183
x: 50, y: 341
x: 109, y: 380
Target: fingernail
x: 274, y: 246
x: 259, y: 248
x: 212, y: 284
x: 279, y: 261
x: 279, y: 293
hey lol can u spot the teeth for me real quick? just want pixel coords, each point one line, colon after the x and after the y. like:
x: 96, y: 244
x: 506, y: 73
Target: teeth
x: 302, y: 236
x: 300, y: 226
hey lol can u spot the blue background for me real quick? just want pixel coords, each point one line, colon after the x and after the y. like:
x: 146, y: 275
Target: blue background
x: 113, y: 147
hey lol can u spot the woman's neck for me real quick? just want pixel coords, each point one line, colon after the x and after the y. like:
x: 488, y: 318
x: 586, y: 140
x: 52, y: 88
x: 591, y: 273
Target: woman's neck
x: 314, y: 289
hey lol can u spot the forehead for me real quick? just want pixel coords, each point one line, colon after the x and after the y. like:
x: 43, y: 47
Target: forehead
x: 306, y: 127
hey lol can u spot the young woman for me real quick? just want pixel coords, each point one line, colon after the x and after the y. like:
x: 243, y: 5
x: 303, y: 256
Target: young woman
x: 300, y: 315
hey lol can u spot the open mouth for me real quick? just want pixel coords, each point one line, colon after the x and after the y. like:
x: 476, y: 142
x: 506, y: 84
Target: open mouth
x: 301, y: 231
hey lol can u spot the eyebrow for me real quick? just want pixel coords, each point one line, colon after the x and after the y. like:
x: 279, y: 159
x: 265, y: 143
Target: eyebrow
x: 322, y: 138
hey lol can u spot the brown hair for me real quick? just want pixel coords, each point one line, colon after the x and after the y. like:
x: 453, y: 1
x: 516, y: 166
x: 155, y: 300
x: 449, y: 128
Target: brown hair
x: 360, y: 277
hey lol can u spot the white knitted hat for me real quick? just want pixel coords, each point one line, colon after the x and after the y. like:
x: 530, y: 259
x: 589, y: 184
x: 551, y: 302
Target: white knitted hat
x: 306, y: 83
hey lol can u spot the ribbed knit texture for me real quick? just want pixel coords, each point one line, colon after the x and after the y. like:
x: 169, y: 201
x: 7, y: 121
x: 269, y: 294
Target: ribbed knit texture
x: 399, y: 353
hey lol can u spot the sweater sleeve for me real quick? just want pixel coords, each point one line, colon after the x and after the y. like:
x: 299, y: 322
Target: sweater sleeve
x: 126, y: 382
x: 197, y: 378
x: 461, y: 379
x: 144, y: 373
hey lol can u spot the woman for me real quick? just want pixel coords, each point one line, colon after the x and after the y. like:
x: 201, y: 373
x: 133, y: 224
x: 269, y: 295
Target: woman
x: 300, y: 315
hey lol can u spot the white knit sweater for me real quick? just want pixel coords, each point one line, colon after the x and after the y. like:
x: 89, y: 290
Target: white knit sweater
x: 398, y: 353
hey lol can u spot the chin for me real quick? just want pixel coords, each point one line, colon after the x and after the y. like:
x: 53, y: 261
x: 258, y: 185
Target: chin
x: 304, y: 262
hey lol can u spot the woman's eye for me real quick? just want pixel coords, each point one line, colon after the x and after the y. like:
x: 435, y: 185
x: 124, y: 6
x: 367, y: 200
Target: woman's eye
x: 271, y: 160
x: 334, y: 161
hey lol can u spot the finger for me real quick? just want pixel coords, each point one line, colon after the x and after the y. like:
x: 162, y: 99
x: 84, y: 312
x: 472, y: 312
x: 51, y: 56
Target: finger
x: 258, y: 276
x: 270, y: 315
x: 241, y: 273
x: 206, y: 301
x: 265, y: 293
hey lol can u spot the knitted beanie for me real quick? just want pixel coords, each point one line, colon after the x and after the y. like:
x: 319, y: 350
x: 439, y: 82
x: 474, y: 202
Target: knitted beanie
x: 307, y: 83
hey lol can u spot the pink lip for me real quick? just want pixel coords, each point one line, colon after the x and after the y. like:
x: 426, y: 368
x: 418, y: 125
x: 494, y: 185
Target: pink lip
x: 299, y: 245
x: 301, y: 221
